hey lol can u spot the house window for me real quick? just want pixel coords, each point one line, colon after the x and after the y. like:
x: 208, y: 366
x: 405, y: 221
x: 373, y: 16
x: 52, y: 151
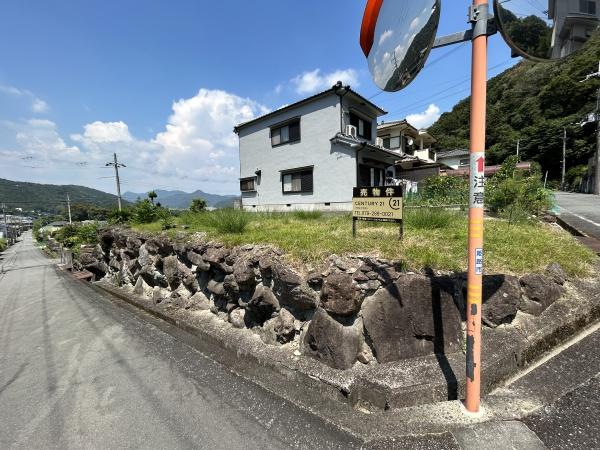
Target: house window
x: 297, y: 181
x: 394, y: 142
x: 386, y: 140
x: 587, y: 7
x: 283, y: 134
x: 248, y: 184
x: 362, y: 126
x: 464, y: 162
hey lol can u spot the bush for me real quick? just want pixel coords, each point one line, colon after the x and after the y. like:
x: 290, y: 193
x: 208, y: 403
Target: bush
x: 228, y: 220
x: 443, y: 190
x: 2, y: 244
x: 307, y: 215
x: 574, y: 178
x: 116, y: 217
x: 198, y: 205
x: 516, y: 194
x: 146, y: 212
x: 73, y: 236
x: 429, y: 218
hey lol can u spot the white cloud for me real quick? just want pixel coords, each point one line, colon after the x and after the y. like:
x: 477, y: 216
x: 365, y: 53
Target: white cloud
x: 99, y: 132
x: 11, y: 90
x: 38, y: 139
x: 198, y: 133
x: 385, y: 36
x: 37, y: 104
x: 425, y: 118
x: 197, y: 149
x: 312, y: 82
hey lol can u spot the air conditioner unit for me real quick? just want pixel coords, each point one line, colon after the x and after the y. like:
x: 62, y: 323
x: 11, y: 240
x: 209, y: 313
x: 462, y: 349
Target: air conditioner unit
x: 351, y: 131
x: 379, y: 142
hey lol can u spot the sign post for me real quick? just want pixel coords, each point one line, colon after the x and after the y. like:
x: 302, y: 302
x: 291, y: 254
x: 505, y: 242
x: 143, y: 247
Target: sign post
x: 377, y: 204
x: 476, y: 202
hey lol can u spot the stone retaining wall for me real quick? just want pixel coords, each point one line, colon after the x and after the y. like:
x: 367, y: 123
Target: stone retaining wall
x: 356, y: 310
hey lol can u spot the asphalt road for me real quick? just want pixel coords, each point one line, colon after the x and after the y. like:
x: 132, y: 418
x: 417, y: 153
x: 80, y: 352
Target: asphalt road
x: 581, y: 211
x: 78, y: 371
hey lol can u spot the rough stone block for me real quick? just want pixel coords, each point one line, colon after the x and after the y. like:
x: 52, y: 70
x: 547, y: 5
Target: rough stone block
x: 340, y: 295
x: 412, y: 317
x: 331, y: 342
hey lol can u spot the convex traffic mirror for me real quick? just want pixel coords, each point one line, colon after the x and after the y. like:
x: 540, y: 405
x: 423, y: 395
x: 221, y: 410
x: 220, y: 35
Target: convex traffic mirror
x: 545, y: 30
x: 396, y: 37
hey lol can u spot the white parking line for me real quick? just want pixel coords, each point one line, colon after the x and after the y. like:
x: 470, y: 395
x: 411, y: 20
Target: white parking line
x: 580, y: 217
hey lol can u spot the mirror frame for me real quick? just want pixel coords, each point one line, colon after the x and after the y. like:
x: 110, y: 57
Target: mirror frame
x: 372, y: 9
x: 512, y: 44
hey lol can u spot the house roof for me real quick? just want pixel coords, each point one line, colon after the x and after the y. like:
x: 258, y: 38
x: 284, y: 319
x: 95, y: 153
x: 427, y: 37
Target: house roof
x: 395, y: 123
x: 415, y: 133
x: 331, y: 90
x: 452, y: 153
x: 344, y: 139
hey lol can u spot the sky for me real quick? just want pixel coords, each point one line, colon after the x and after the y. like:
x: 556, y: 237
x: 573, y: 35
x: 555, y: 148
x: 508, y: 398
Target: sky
x: 162, y: 83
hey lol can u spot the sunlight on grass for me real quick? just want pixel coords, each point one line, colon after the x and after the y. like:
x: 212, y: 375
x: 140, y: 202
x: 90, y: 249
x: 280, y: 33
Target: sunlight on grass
x: 432, y: 238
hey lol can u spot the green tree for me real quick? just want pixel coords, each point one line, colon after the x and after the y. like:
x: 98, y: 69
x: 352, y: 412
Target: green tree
x: 152, y: 195
x: 198, y: 205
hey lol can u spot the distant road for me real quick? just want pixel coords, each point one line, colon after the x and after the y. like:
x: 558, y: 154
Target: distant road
x: 582, y: 211
x: 78, y: 371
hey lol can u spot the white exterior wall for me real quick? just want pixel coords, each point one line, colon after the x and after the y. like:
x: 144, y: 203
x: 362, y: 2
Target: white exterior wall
x: 453, y: 161
x: 334, y: 171
x: 579, y: 31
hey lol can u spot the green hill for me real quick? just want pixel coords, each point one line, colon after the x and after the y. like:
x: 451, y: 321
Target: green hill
x: 532, y: 103
x: 50, y: 198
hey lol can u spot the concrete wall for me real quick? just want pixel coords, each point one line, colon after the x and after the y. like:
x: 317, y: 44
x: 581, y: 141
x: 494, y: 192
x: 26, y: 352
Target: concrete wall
x: 334, y: 166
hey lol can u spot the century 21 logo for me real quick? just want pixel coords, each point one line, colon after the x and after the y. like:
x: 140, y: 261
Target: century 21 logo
x: 395, y: 203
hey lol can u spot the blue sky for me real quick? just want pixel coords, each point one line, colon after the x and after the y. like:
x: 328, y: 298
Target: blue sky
x: 162, y: 82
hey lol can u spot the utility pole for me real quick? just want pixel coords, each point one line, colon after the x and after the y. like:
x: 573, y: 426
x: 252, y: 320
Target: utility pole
x: 69, y: 208
x: 564, y: 160
x: 596, y: 187
x: 116, y: 165
x: 6, y: 225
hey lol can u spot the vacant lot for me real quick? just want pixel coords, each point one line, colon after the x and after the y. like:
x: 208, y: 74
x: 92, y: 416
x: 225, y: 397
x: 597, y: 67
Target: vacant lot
x: 432, y: 238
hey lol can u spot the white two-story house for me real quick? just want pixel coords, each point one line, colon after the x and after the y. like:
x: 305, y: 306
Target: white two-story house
x: 311, y: 154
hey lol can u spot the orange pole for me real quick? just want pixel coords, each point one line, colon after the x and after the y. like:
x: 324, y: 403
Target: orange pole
x: 475, y: 247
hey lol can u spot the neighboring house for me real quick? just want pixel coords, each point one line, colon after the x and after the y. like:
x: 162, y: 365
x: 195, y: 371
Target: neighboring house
x: 418, y: 160
x: 309, y: 155
x: 454, y: 159
x: 574, y: 23
x: 488, y: 171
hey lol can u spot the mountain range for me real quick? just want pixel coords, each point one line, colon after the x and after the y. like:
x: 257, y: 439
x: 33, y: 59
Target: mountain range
x: 182, y: 200
x: 50, y: 198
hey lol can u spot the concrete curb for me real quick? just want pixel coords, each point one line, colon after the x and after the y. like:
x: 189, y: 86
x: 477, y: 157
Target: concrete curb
x: 425, y: 380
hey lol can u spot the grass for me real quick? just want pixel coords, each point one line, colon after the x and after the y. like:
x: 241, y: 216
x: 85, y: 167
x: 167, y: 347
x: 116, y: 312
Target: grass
x: 432, y: 238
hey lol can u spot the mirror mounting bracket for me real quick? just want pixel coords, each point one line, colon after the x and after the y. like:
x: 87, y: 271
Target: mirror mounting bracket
x: 482, y: 23
x: 479, y: 17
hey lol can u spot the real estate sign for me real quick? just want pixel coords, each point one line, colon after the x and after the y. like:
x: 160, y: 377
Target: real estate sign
x: 378, y: 204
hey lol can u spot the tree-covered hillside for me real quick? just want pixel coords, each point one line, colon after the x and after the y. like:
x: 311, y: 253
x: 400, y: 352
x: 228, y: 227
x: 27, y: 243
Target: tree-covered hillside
x: 533, y: 102
x: 50, y: 198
